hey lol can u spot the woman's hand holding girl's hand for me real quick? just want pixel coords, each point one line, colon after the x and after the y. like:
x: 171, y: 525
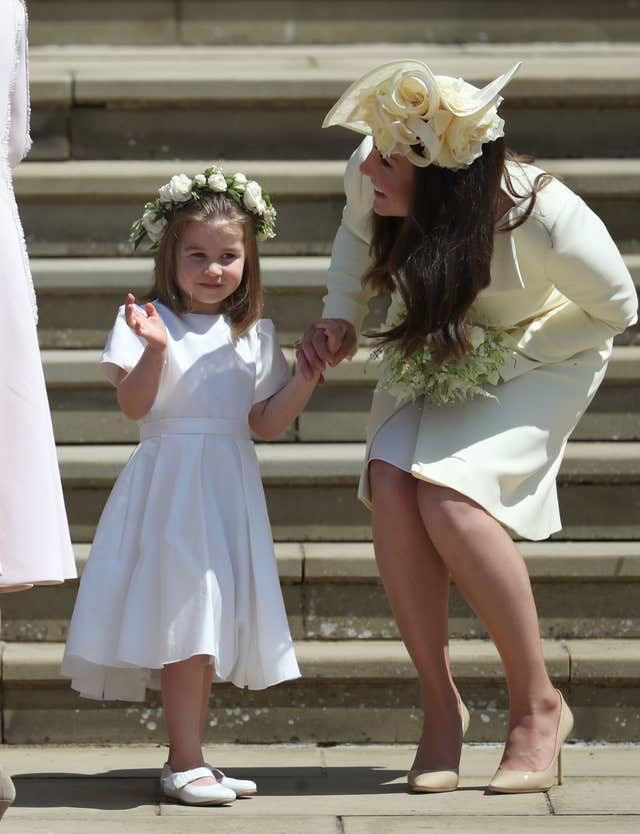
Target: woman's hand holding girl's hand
x: 150, y: 327
x: 327, y: 341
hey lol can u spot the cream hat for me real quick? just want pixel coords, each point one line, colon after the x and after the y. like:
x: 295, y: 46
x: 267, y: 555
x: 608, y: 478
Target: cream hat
x: 403, y: 104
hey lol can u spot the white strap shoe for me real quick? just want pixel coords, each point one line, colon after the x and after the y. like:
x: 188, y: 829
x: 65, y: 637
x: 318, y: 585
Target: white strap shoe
x: 178, y: 786
x: 241, y: 787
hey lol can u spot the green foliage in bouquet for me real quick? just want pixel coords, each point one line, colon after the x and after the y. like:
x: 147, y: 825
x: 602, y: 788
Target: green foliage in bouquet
x: 457, y: 380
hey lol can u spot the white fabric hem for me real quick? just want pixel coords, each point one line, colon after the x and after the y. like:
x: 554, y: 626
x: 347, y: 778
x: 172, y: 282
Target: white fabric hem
x: 129, y: 682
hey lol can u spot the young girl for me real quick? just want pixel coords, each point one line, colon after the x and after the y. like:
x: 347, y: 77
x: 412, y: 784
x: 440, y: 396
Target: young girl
x: 182, y: 585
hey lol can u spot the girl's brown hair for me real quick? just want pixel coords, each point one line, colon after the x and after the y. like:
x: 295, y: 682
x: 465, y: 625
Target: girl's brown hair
x: 439, y: 257
x: 243, y: 307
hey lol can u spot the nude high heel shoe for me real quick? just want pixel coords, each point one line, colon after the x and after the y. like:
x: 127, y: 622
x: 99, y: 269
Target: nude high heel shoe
x: 7, y: 792
x: 438, y: 781
x: 533, y: 781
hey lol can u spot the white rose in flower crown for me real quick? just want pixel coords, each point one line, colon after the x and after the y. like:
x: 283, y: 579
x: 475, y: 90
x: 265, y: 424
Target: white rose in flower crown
x: 200, y: 180
x: 177, y: 190
x: 239, y: 182
x: 164, y: 194
x: 154, y: 227
x: 252, y: 196
x: 217, y: 182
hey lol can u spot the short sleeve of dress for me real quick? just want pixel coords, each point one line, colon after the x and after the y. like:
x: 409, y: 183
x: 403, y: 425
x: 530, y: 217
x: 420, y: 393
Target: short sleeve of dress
x: 272, y: 370
x: 123, y: 348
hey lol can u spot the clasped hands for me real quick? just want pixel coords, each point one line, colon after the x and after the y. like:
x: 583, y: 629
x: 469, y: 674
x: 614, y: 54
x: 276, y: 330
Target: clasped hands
x: 325, y: 342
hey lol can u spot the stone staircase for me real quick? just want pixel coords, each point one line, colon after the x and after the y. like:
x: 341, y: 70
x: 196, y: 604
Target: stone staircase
x: 124, y: 94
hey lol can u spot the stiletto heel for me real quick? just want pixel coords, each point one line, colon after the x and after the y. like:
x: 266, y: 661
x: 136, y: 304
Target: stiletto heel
x: 560, y: 766
x: 533, y: 781
x: 438, y: 781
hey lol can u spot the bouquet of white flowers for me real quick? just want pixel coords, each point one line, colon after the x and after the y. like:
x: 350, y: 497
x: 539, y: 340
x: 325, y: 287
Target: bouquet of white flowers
x: 456, y: 380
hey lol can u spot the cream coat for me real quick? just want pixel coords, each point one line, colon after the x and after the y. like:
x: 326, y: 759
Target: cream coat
x: 561, y: 289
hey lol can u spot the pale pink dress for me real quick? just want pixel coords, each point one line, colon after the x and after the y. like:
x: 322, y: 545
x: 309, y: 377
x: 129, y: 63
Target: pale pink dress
x: 35, y: 546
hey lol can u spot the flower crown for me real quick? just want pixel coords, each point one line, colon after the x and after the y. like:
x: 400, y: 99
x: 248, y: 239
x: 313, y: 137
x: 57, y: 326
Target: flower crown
x: 403, y: 105
x: 182, y: 189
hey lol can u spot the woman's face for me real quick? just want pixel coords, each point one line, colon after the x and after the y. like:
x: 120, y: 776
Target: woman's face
x: 393, y: 181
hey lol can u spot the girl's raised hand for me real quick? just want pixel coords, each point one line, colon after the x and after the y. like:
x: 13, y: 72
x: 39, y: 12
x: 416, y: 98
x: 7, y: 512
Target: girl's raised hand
x: 150, y: 327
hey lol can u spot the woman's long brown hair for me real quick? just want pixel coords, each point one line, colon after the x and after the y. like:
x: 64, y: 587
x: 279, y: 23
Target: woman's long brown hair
x: 243, y: 307
x: 438, y: 258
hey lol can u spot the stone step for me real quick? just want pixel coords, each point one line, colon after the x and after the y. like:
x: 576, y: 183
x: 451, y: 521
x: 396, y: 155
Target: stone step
x: 599, y: 489
x: 78, y: 297
x: 85, y: 409
x: 159, y: 102
x: 328, y: 21
x: 351, y: 691
x: 85, y: 208
x: 332, y: 591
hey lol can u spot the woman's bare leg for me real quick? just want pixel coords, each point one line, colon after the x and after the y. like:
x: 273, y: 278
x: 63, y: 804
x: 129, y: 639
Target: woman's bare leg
x: 416, y: 582
x: 490, y: 573
x: 182, y: 689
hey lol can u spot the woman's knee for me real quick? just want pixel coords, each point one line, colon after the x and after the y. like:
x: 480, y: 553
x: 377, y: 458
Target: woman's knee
x: 445, y: 510
x: 390, y: 484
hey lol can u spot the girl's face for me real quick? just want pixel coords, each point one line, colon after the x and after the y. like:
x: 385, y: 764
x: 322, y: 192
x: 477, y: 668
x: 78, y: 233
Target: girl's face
x: 210, y: 262
x: 393, y: 182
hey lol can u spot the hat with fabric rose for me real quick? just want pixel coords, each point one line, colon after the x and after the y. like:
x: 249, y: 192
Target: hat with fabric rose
x: 430, y: 119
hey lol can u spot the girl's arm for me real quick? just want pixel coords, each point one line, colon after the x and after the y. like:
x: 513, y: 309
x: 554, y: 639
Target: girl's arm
x: 270, y: 418
x: 138, y: 389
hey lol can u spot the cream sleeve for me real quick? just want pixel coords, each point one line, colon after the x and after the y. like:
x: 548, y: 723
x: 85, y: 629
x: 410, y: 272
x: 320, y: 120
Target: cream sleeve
x: 346, y: 298
x: 584, y: 264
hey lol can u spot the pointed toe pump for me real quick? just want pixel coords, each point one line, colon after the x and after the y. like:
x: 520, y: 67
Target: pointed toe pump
x: 7, y: 792
x: 534, y: 781
x: 438, y: 781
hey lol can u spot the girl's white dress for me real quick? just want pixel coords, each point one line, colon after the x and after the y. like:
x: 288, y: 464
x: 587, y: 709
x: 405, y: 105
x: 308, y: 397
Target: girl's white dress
x: 183, y: 561
x: 35, y: 546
